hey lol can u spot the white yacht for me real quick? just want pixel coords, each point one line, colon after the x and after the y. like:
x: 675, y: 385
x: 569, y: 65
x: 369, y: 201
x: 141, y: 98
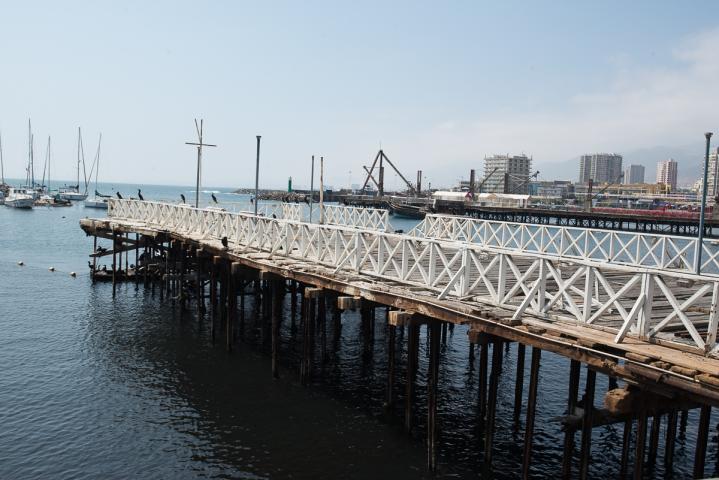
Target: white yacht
x: 72, y: 192
x: 20, y: 198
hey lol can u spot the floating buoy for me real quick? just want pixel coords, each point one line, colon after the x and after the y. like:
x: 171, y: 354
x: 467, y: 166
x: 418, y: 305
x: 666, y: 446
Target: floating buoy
x: 52, y: 269
x: 73, y: 274
x: 21, y: 263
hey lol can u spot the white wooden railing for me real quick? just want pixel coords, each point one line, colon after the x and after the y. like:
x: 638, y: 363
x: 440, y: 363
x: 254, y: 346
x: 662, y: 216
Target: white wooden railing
x: 524, y: 279
x: 364, y: 218
x: 643, y: 250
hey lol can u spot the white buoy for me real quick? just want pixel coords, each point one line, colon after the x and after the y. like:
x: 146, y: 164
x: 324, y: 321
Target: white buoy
x: 21, y: 263
x: 73, y: 274
x: 52, y: 269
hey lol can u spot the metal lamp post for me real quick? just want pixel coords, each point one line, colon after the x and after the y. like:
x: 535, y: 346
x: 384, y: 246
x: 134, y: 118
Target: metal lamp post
x: 700, y: 237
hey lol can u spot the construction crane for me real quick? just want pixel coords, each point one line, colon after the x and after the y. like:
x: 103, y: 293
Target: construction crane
x: 379, y: 182
x: 520, y: 184
x: 484, y: 180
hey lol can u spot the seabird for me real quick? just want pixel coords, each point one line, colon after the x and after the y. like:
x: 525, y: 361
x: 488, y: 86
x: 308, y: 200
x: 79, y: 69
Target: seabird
x: 224, y: 242
x: 139, y: 194
x: 274, y: 216
x: 214, y: 199
x: 118, y: 195
x: 183, y: 198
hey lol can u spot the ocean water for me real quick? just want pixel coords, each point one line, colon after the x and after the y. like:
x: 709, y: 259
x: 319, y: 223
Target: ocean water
x: 96, y: 387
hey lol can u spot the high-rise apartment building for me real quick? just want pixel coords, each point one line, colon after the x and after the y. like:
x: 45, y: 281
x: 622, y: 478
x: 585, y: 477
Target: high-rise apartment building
x: 667, y: 173
x: 600, y: 168
x: 514, y: 167
x: 713, y: 174
x: 634, y: 174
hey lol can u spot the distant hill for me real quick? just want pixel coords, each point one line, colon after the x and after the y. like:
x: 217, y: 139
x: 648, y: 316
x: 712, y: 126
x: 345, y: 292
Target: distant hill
x: 690, y: 160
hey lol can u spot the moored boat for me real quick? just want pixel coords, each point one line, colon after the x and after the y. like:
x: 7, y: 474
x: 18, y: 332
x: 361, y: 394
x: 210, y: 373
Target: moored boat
x: 20, y: 198
x: 407, y: 210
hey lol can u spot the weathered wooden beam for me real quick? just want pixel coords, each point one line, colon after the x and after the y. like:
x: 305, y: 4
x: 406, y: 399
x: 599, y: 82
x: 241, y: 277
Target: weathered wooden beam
x: 349, y: 303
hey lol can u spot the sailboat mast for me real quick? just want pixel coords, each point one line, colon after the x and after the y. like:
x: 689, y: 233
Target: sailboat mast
x: 97, y: 164
x: 78, y: 158
x: 2, y: 167
x: 48, y: 165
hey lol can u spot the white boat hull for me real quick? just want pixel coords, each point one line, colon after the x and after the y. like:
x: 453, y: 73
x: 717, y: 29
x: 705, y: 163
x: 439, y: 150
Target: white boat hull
x: 96, y: 203
x: 25, y: 202
x: 73, y: 196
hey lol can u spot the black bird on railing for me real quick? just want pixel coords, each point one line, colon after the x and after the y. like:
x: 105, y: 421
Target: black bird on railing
x: 224, y: 242
x: 307, y: 200
x: 183, y: 198
x: 252, y: 200
x: 118, y: 195
x: 214, y: 198
x: 139, y: 195
x: 274, y: 216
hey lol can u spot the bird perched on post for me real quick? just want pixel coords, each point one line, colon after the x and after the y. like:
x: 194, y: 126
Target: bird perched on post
x: 224, y: 242
x: 139, y: 195
x: 214, y: 198
x: 183, y: 198
x: 118, y: 195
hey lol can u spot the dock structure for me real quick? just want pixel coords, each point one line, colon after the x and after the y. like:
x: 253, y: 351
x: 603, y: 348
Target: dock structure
x: 629, y: 306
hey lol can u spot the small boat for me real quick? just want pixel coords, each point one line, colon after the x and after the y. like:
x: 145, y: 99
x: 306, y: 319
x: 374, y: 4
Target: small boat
x: 20, y: 198
x: 407, y: 210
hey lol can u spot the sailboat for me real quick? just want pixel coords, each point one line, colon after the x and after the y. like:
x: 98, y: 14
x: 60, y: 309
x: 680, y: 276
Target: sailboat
x: 46, y: 196
x: 73, y: 191
x: 99, y: 200
x: 24, y: 197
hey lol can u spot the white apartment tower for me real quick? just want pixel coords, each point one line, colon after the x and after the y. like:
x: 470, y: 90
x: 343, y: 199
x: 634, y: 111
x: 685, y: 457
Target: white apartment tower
x: 713, y: 174
x: 600, y: 168
x: 514, y: 167
x: 667, y: 173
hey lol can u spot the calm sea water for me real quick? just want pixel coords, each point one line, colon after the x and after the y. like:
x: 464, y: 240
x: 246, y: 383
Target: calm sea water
x: 92, y: 387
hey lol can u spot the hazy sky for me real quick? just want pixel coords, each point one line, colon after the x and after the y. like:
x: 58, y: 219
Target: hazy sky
x: 439, y: 84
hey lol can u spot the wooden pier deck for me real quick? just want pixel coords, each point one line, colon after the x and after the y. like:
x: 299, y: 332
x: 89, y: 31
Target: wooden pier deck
x: 634, y: 311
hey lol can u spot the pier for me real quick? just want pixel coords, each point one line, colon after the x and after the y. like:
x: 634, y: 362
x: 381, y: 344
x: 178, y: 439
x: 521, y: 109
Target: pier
x: 627, y: 305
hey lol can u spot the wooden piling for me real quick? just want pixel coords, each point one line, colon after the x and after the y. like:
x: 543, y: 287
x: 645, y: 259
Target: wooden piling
x: 640, y: 442
x: 492, y: 401
x: 654, y: 440
x: 391, y: 350
x: 669, y: 441
x: 412, y: 358
x: 531, y: 409
x: 483, y: 375
x: 626, y: 444
x: 277, y: 297
x: 94, y: 258
x: 434, y: 332
x: 700, y: 450
x: 587, y: 423
x: 114, y: 263
x: 519, y: 384
x: 574, y: 372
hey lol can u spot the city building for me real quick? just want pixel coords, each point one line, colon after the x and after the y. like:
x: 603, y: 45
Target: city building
x: 713, y: 174
x: 634, y: 174
x: 514, y: 167
x: 600, y: 168
x: 667, y: 173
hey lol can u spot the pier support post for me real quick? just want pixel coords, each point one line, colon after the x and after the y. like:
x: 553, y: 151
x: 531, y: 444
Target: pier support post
x: 669, y: 441
x: 654, y: 440
x: 531, y: 410
x: 519, y: 384
x: 277, y: 296
x: 391, y: 351
x: 587, y: 418
x: 412, y: 358
x: 492, y: 401
x: 94, y: 258
x: 114, y: 263
x: 434, y: 331
x: 574, y: 372
x: 626, y: 444
x: 702, y: 437
x: 483, y: 374
x: 640, y: 442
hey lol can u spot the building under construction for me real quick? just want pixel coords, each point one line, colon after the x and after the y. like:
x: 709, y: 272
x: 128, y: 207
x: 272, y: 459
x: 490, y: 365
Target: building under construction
x: 507, y: 174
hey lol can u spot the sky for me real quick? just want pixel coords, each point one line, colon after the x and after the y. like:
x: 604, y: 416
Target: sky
x: 438, y: 85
